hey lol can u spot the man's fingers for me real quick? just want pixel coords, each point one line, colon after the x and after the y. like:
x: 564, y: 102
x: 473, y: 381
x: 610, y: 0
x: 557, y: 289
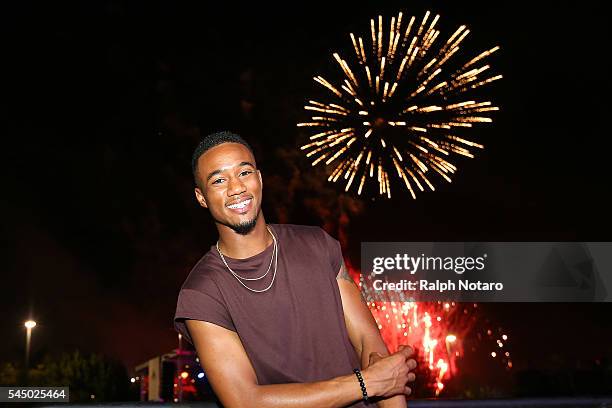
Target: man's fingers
x: 411, y: 364
x: 407, y: 390
x: 411, y: 377
x: 405, y: 350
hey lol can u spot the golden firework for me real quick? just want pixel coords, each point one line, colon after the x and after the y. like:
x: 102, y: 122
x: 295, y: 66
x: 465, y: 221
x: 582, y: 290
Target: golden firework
x: 402, y: 108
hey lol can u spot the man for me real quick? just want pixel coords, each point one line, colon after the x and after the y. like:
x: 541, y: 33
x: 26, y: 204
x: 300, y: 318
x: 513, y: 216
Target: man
x: 271, y: 310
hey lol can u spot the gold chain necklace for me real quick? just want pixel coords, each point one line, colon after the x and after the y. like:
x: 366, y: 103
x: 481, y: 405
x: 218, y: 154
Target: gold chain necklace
x: 240, y: 278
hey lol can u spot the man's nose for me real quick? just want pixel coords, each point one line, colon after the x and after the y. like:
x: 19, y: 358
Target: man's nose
x: 236, y: 186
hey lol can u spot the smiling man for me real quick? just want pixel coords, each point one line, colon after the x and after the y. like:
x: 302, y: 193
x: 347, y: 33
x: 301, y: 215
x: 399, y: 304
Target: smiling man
x: 271, y: 310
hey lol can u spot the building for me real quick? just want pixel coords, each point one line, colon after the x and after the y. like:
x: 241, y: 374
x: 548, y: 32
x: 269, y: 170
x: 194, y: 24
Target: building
x: 172, y: 377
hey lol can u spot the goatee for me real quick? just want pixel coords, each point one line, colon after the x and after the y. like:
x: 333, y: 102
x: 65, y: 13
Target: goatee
x: 244, y: 227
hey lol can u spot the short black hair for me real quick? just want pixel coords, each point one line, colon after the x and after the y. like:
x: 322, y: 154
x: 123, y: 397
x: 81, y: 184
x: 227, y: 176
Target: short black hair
x: 210, y: 141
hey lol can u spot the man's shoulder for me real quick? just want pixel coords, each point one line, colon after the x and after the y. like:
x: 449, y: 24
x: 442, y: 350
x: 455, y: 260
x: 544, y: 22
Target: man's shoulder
x: 302, y: 236
x: 298, y: 230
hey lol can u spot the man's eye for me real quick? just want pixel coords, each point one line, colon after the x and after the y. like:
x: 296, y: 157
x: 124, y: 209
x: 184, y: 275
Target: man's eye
x: 217, y: 181
x: 244, y: 173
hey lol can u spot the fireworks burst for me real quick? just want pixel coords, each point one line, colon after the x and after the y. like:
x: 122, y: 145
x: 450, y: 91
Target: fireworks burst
x: 401, y: 111
x: 438, y: 330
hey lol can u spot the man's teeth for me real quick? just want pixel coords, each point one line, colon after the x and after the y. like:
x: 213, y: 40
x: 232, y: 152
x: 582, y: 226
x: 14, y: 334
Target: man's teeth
x: 240, y: 205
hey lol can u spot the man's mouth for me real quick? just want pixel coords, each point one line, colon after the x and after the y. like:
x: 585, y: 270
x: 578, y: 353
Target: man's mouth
x: 241, y: 206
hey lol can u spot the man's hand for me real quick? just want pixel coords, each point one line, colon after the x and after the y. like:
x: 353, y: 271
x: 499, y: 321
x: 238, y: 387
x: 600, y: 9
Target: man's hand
x: 388, y: 376
x: 369, y: 346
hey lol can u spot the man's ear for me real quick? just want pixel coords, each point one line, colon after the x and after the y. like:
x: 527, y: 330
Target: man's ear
x: 200, y: 197
x: 260, y: 179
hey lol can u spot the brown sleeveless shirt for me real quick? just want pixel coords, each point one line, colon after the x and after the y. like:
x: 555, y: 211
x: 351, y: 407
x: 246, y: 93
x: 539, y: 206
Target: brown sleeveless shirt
x: 292, y: 333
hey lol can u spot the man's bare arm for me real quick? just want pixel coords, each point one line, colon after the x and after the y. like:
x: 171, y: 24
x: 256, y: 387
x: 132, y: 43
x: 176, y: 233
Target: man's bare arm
x: 233, y: 378
x: 363, y: 330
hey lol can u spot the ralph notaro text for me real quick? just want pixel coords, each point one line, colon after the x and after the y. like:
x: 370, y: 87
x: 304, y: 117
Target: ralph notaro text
x: 437, y: 285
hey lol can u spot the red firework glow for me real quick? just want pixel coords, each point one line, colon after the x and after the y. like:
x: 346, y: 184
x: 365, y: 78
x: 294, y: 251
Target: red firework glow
x: 437, y: 330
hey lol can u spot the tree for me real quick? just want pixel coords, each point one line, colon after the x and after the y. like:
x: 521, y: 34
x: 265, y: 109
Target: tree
x: 86, y: 375
x: 9, y: 374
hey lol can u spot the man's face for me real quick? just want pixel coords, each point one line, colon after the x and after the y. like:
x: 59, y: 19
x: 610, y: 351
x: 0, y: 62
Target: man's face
x: 230, y: 186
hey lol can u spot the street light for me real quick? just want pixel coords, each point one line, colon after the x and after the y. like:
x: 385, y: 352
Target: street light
x: 179, y: 366
x: 30, y: 324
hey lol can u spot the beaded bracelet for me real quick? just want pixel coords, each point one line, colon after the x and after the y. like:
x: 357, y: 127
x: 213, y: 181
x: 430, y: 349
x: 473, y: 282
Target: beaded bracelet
x: 361, y: 384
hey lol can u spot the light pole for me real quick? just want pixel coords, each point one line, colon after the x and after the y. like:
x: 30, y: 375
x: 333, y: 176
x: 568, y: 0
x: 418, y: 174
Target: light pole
x: 179, y: 367
x: 30, y: 324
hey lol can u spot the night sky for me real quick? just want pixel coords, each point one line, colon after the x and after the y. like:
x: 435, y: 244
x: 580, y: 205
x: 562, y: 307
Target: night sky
x: 104, y: 101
